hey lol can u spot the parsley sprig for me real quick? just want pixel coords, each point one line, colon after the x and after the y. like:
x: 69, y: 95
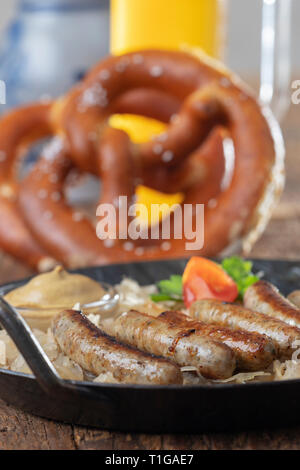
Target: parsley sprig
x: 240, y: 271
x: 169, y: 289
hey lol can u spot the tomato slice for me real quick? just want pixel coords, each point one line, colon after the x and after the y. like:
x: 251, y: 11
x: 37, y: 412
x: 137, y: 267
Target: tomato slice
x: 205, y: 279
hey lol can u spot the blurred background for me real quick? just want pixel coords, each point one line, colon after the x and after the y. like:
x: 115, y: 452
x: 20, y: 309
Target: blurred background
x: 87, y: 29
x: 243, y: 30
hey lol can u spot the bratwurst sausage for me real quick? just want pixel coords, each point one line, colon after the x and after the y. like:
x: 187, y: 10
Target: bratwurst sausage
x: 240, y: 318
x: 266, y: 298
x: 97, y: 352
x: 158, y: 336
x: 252, y: 351
x: 294, y: 297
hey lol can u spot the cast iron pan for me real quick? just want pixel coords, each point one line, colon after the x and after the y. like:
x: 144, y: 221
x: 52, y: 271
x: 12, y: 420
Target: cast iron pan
x: 136, y: 408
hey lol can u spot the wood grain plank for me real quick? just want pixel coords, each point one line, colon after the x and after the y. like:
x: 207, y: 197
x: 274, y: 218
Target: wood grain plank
x: 92, y: 439
x: 283, y: 439
x: 123, y: 441
x: 21, y: 431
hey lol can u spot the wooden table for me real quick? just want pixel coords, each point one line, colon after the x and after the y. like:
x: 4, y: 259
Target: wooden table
x: 20, y: 430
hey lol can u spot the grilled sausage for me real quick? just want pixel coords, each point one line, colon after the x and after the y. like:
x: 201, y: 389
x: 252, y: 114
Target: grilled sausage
x: 158, y: 336
x: 239, y: 318
x: 252, y: 351
x: 97, y: 352
x: 265, y: 298
x: 294, y: 297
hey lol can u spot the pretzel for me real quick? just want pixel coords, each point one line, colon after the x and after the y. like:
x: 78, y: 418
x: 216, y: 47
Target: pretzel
x: 61, y: 230
x: 211, y: 109
x: 18, y: 130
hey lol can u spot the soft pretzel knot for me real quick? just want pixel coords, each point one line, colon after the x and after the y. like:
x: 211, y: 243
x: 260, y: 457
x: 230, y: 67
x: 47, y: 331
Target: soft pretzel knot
x: 220, y: 148
x: 18, y: 130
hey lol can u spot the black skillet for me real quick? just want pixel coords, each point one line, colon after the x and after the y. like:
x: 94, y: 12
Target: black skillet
x: 159, y: 409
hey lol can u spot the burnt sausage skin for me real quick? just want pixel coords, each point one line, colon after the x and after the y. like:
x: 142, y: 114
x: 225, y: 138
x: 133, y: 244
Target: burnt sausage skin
x: 265, y: 298
x: 97, y: 353
x: 253, y: 351
x: 240, y: 318
x: 158, y: 336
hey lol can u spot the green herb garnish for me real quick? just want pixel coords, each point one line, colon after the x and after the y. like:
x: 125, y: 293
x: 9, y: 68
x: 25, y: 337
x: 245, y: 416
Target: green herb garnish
x: 160, y: 297
x: 169, y: 289
x: 241, y: 272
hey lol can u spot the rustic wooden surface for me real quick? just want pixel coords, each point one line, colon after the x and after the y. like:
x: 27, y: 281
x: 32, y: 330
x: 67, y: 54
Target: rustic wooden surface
x: 20, y: 430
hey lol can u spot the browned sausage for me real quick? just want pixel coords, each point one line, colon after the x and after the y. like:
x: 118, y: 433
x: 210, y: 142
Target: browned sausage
x: 265, y: 298
x: 97, y: 352
x: 240, y: 318
x: 294, y: 297
x: 158, y: 336
x: 252, y: 351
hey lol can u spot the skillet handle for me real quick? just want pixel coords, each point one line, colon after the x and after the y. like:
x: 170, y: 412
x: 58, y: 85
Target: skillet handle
x: 73, y: 395
x: 32, y: 351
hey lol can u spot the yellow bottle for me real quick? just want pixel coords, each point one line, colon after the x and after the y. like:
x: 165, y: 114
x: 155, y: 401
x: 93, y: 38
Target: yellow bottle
x: 167, y: 24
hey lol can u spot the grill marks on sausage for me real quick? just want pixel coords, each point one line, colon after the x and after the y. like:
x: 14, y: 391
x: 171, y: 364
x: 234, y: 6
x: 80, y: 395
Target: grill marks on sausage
x: 240, y: 318
x: 182, y: 334
x: 253, y: 351
x: 160, y: 337
x: 266, y: 298
x: 97, y: 352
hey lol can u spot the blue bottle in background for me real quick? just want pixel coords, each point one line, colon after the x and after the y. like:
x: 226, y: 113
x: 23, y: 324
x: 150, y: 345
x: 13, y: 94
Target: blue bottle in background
x: 50, y: 45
